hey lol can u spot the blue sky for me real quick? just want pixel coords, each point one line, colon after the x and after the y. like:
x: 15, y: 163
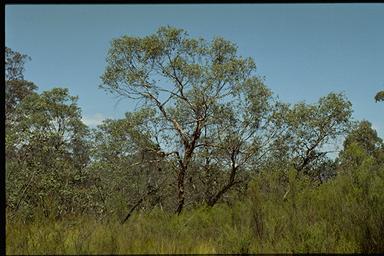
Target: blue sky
x: 304, y: 50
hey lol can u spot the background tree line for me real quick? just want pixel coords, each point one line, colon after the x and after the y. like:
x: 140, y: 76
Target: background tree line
x: 206, y: 131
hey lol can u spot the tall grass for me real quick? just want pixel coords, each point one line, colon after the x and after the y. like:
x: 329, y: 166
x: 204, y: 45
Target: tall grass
x: 283, y: 212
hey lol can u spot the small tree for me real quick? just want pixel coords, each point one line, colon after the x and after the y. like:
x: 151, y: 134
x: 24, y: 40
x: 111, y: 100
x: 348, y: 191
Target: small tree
x: 311, y: 131
x: 49, y: 153
x: 362, y: 141
x: 129, y: 165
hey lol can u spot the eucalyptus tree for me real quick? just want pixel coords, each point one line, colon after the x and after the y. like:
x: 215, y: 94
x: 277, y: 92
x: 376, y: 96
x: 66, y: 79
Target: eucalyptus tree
x: 129, y: 165
x: 14, y: 64
x: 237, y: 139
x: 312, y: 131
x: 362, y: 142
x: 51, y: 151
x: 16, y: 88
x: 205, y: 98
x: 47, y: 147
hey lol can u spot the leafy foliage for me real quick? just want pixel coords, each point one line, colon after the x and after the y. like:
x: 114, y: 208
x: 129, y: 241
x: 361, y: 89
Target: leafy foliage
x: 379, y: 96
x: 14, y: 64
x: 46, y: 148
x: 207, y: 103
x: 244, y: 171
x: 311, y: 130
x: 341, y: 216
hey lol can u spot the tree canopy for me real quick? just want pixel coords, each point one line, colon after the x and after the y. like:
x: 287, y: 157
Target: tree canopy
x: 205, y: 97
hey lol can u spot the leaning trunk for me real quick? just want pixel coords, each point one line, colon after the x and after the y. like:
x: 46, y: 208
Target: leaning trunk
x: 180, y: 187
x: 231, y: 181
x: 213, y: 200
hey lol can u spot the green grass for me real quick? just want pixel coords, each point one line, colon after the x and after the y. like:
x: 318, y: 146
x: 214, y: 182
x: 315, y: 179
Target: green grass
x: 342, y: 216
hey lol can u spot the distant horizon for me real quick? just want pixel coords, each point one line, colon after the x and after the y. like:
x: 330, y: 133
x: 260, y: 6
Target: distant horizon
x: 303, y: 51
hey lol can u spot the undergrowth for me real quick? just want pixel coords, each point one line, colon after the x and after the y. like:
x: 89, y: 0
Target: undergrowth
x: 282, y: 213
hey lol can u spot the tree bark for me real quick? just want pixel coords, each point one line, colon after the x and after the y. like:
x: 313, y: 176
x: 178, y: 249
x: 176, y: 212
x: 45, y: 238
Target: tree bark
x: 132, y: 209
x: 189, y: 149
x: 180, y: 186
x: 137, y: 204
x: 213, y: 200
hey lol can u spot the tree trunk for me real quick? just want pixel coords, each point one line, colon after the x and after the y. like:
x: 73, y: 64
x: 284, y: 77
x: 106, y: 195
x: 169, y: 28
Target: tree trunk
x: 138, y: 203
x: 231, y: 181
x: 213, y: 200
x: 132, y: 209
x: 189, y: 149
x: 180, y: 186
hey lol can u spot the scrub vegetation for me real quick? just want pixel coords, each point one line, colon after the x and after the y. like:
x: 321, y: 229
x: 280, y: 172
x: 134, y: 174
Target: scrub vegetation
x: 210, y: 161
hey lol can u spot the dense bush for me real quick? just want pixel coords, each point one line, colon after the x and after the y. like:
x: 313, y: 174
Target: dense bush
x: 284, y: 211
